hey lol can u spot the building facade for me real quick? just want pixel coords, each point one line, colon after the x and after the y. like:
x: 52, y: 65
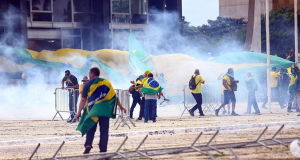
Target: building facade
x: 78, y: 24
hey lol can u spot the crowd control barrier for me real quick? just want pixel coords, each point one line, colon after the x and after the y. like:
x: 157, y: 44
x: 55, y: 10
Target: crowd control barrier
x: 211, y: 95
x: 124, y: 98
x: 62, y: 103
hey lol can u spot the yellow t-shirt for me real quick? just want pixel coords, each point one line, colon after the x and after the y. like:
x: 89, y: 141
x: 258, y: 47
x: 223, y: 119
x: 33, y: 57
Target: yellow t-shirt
x: 80, y: 89
x: 135, y: 84
x: 228, y: 83
x: 273, y: 80
x: 198, y: 80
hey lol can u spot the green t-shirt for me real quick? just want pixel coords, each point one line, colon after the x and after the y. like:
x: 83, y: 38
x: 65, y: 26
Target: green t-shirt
x: 72, y: 81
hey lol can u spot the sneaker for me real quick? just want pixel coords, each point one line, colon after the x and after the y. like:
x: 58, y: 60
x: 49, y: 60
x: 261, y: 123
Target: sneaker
x: 71, y: 121
x: 154, y: 121
x: 191, y: 113
x: 201, y: 115
x: 145, y: 121
x: 87, y: 150
x: 228, y: 112
x: 289, y: 111
x: 256, y: 113
x: 138, y: 119
x: 234, y: 114
x: 217, y: 112
x: 247, y: 113
x: 224, y: 111
x: 264, y: 107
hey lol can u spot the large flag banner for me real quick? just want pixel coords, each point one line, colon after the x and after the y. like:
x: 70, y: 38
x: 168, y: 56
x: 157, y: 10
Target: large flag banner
x: 137, y: 56
x: 101, y: 102
x: 151, y: 86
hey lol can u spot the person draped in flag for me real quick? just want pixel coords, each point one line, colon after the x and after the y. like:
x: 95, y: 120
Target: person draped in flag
x: 71, y: 82
x: 152, y: 91
x: 100, y: 100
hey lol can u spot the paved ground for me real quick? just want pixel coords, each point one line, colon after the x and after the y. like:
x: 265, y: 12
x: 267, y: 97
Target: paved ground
x: 32, y: 129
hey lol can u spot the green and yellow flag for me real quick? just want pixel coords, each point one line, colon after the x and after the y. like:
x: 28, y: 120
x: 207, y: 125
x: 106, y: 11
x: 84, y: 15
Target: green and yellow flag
x: 101, y: 102
x: 151, y: 86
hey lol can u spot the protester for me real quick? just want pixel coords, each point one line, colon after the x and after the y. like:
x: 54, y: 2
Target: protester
x: 251, y: 87
x: 136, y: 96
x: 292, y: 91
x: 222, y: 96
x: 71, y: 82
x: 141, y: 115
x: 274, y: 78
x: 229, y: 86
x: 283, y: 85
x: 24, y: 82
x: 95, y: 94
x: 85, y: 79
x: 152, y: 90
x: 197, y: 92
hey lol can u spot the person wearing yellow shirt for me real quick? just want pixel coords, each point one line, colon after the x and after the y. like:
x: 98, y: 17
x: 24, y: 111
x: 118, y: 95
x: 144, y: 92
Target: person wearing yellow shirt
x: 229, y: 95
x: 141, y: 115
x: 292, y: 91
x: 197, y: 93
x: 274, y: 78
x: 222, y: 96
x: 136, y: 95
x: 84, y: 79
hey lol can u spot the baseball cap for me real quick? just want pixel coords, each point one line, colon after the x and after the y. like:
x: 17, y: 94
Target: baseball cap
x: 67, y: 72
x: 147, y: 72
x: 141, y: 77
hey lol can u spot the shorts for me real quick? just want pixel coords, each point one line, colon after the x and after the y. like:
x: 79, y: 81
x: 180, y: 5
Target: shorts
x: 229, y: 97
x: 222, y: 99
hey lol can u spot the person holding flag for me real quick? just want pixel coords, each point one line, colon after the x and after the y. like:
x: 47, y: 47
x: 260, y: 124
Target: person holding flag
x: 152, y: 91
x: 99, y: 99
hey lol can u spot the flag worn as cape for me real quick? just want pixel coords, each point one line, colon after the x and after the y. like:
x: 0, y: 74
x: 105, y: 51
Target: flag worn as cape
x: 101, y: 102
x: 137, y: 56
x: 151, y: 86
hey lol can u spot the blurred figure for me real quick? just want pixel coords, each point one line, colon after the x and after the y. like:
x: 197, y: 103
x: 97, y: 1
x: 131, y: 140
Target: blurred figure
x: 197, y: 93
x: 292, y: 91
x: 84, y: 79
x: 283, y: 85
x: 136, y: 96
x: 252, y: 88
x: 222, y: 96
x: 24, y: 80
x: 229, y: 86
x: 71, y: 82
x: 163, y: 83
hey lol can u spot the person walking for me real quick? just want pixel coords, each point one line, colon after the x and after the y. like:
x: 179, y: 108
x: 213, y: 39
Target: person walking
x: 292, y: 91
x: 136, y: 96
x: 229, y: 86
x: 274, y: 79
x: 71, y: 83
x: 251, y: 87
x: 100, y: 98
x: 197, y: 93
x: 222, y: 97
x: 284, y: 85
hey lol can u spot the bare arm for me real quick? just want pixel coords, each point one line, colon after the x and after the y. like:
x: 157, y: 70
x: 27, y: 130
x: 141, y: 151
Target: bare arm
x: 137, y: 87
x: 121, y: 107
x: 62, y: 84
x: 81, y: 105
x: 75, y: 86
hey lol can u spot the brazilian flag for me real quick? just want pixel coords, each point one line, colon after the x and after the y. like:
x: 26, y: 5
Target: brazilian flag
x: 101, y: 102
x: 151, y: 86
x: 137, y: 56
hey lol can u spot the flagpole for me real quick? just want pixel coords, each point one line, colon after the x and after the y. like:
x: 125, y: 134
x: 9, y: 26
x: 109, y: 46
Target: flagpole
x: 296, y: 31
x: 268, y: 54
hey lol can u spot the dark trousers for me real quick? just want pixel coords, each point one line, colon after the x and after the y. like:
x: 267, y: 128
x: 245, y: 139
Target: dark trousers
x: 73, y: 95
x: 104, y: 127
x: 142, y: 104
x: 275, y: 94
x: 150, y: 105
x: 136, y: 100
x: 252, y: 101
x: 198, y: 98
x: 293, y: 98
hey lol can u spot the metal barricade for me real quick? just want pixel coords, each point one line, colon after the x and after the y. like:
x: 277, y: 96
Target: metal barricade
x: 173, y: 92
x: 62, y: 103
x: 211, y: 94
x: 124, y: 98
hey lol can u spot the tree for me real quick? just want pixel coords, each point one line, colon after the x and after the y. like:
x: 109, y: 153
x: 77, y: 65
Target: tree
x: 281, y: 31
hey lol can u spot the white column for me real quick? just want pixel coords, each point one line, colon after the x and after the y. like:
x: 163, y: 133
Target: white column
x: 296, y: 31
x: 268, y: 54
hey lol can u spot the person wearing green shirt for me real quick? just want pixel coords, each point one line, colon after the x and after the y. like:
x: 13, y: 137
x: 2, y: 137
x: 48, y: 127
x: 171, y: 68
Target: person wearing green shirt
x: 251, y: 87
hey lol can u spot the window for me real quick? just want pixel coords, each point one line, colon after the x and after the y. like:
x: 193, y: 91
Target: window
x: 82, y: 11
x: 41, y: 10
x: 62, y: 11
x: 120, y: 6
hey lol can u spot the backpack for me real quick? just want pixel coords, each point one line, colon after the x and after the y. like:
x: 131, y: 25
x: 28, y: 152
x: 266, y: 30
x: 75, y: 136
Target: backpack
x: 131, y: 91
x: 192, y: 83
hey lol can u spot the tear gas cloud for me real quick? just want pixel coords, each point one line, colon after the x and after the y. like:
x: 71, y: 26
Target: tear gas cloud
x: 37, y: 101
